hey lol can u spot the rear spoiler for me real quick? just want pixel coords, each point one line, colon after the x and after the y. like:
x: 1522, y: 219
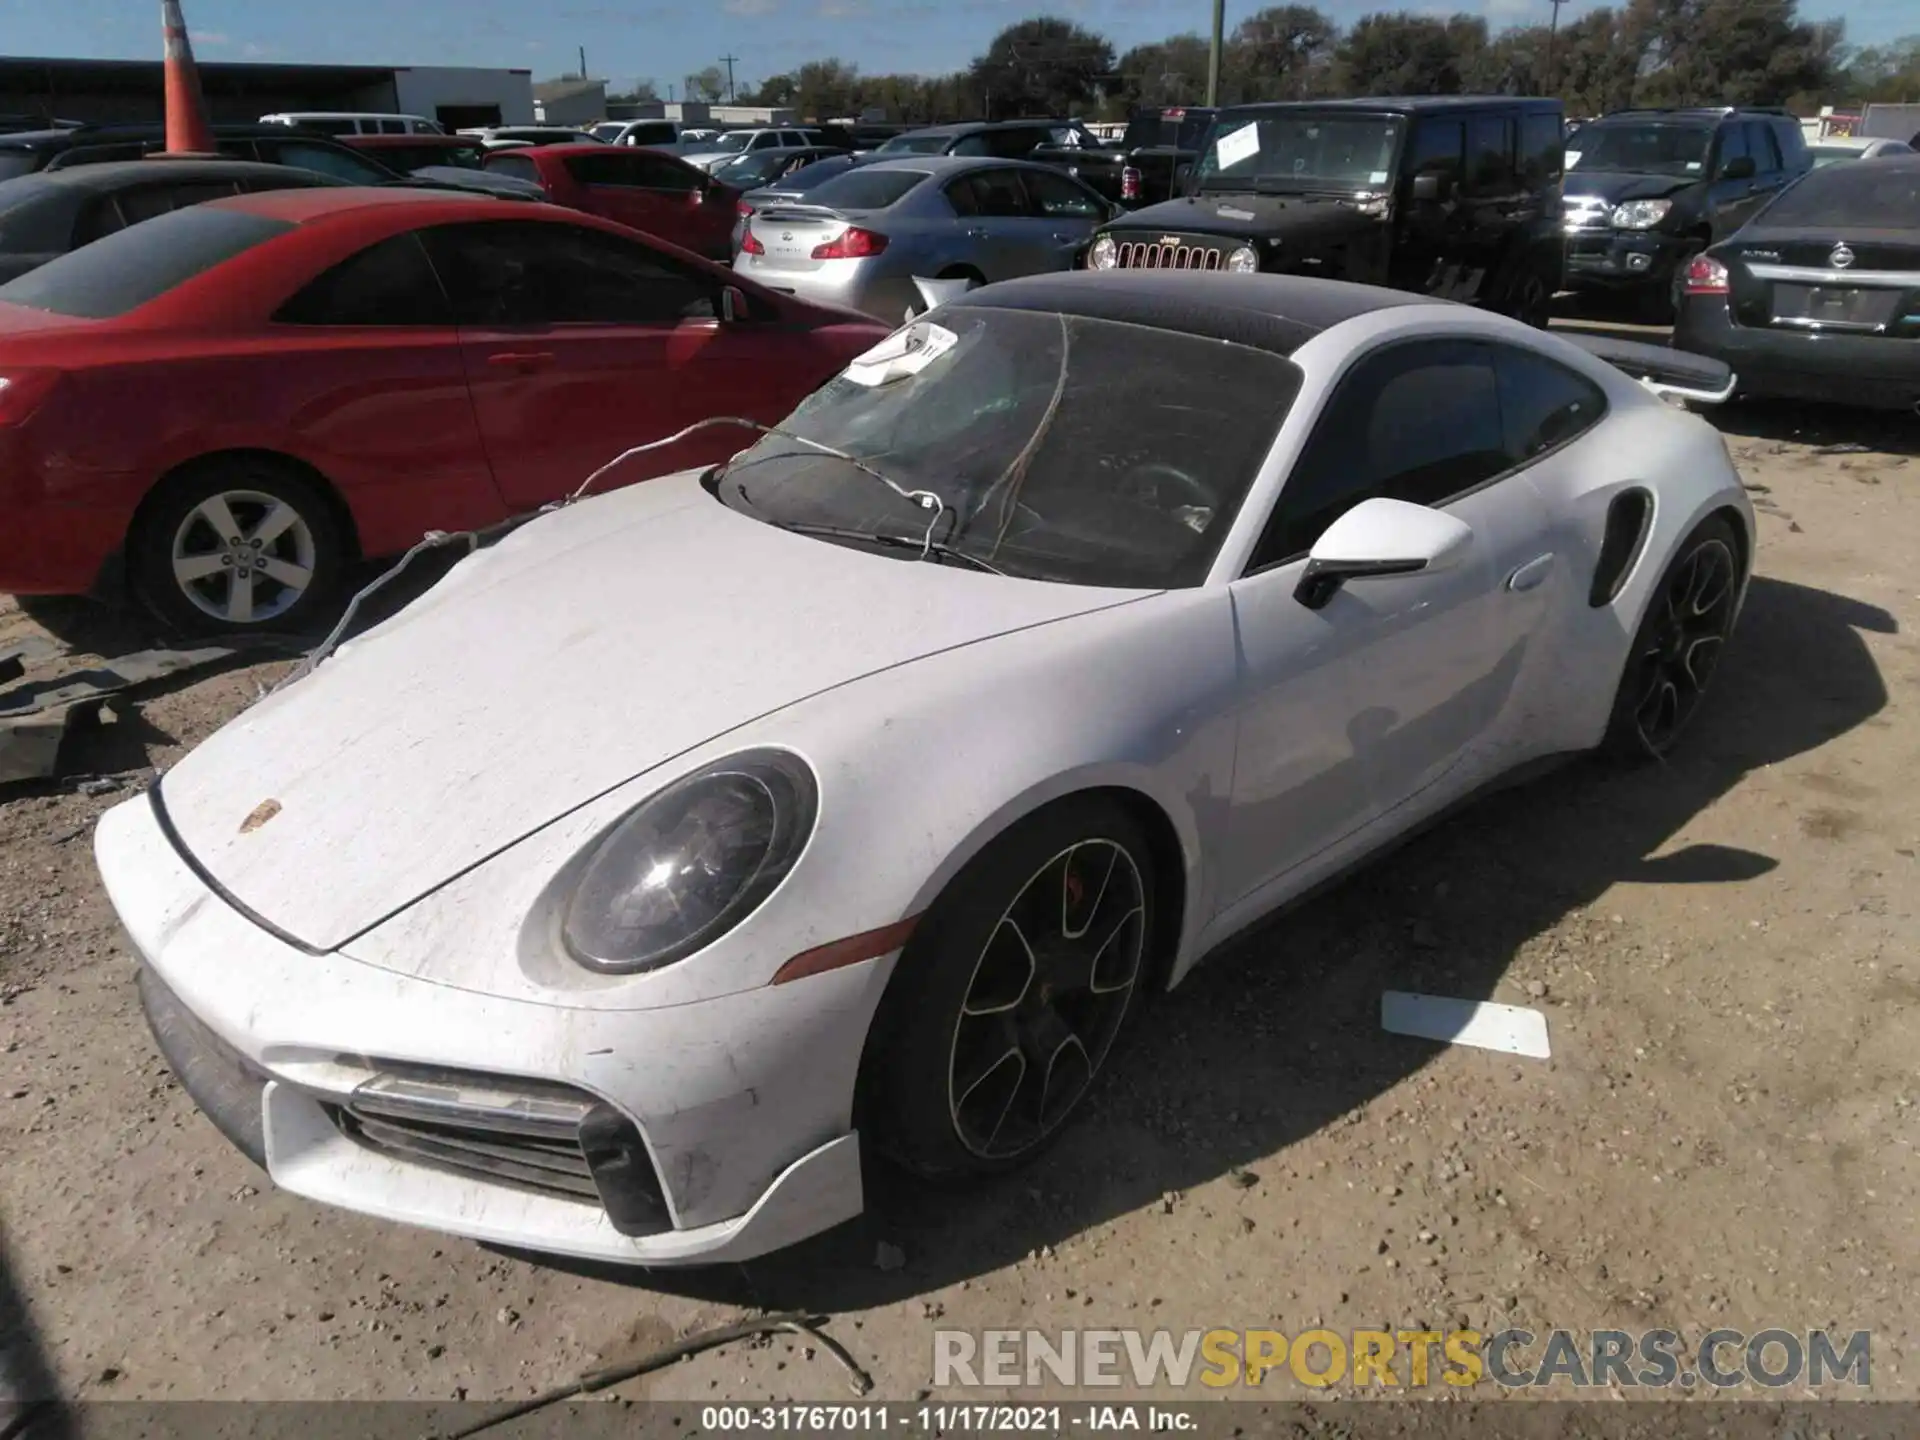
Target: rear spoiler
x: 1674, y: 374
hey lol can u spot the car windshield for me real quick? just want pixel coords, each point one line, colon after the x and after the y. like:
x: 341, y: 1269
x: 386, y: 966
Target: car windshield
x: 1653, y: 148
x: 916, y: 145
x: 1292, y: 152
x: 1875, y: 195
x: 734, y: 142
x: 608, y: 129
x: 1084, y: 451
x: 410, y: 158
x: 811, y: 176
x: 752, y: 170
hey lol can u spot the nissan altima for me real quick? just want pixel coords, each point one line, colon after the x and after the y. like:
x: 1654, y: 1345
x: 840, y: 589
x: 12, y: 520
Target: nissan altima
x: 608, y: 898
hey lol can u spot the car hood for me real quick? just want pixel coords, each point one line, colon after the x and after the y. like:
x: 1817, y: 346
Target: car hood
x: 583, y: 650
x: 1247, y: 217
x: 1618, y: 188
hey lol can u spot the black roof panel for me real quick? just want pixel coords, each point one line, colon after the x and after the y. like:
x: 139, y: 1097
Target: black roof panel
x: 1407, y: 104
x: 1279, y: 313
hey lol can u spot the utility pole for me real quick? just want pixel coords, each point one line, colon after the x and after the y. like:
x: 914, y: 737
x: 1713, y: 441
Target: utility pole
x: 728, y: 60
x: 1553, y: 30
x: 583, y: 62
x: 1213, y: 53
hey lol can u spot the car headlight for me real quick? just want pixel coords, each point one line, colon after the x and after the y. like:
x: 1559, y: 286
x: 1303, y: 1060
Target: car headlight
x: 684, y: 867
x: 1243, y: 261
x: 1641, y: 214
x: 1104, y: 255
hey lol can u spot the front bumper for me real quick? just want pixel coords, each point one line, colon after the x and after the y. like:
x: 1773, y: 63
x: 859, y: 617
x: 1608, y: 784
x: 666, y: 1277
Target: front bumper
x: 1781, y: 362
x: 751, y: 1149
x: 1623, y: 259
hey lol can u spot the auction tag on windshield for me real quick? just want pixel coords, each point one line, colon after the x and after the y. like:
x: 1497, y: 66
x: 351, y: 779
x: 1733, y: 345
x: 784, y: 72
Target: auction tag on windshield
x: 903, y: 353
x: 1573, y: 158
x: 1238, y: 145
x: 1377, y: 177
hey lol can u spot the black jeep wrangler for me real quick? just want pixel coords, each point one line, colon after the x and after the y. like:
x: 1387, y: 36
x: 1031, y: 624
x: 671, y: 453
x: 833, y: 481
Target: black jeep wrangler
x: 1647, y: 190
x: 1453, y: 196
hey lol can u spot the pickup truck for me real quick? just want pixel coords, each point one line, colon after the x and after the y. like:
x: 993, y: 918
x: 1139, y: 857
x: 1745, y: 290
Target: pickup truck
x: 1148, y: 165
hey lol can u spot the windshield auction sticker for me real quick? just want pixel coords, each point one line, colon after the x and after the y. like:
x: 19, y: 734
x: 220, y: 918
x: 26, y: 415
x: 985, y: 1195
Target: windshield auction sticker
x: 1237, y: 145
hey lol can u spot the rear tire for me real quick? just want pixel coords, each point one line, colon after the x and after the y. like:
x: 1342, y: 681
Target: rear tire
x: 1678, y: 645
x: 1009, y: 997
x: 242, y: 545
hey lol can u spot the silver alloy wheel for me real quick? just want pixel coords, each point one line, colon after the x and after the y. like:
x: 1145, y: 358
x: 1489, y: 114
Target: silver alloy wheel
x: 243, y: 556
x: 1692, y: 617
x: 1046, y: 999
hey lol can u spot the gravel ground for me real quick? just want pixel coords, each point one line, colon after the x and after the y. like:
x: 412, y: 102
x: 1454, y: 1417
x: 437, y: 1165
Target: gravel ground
x: 1725, y: 949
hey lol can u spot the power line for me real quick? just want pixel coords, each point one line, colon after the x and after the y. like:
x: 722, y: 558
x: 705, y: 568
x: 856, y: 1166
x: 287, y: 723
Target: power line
x: 728, y: 60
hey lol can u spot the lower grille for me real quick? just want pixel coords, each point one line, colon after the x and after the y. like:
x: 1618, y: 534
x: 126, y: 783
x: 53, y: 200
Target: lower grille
x: 1160, y: 255
x: 546, y: 1138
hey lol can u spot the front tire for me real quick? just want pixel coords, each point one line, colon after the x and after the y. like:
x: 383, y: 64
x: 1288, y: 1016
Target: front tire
x: 239, y: 546
x: 1678, y: 645
x: 1012, y: 991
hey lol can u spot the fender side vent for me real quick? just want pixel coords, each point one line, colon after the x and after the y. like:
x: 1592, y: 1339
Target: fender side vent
x: 1628, y: 520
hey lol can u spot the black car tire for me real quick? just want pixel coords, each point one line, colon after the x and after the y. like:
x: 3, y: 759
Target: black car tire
x: 287, y: 541
x: 963, y: 994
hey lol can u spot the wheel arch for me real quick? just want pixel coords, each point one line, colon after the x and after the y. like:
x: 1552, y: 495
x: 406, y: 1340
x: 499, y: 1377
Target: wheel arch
x: 212, y: 459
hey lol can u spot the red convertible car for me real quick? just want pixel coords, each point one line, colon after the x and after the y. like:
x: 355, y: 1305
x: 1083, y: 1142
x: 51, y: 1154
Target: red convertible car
x: 659, y: 194
x: 226, y: 405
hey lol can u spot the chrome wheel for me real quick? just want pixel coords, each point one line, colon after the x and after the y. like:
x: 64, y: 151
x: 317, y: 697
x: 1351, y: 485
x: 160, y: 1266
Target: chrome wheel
x: 1681, y: 644
x: 1047, y: 996
x: 243, y: 556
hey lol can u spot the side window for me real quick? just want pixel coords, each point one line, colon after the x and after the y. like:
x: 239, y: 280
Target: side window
x: 1015, y: 143
x: 532, y: 273
x: 998, y: 194
x: 612, y: 168
x: 99, y: 219
x: 390, y: 283
x: 975, y: 144
x: 1055, y: 196
x: 1489, y: 155
x: 1766, y: 155
x: 342, y: 164
x: 1542, y: 404
x: 519, y: 167
x: 1542, y: 151
x: 393, y: 127
x: 963, y: 197
x: 656, y: 172
x: 1438, y: 149
x: 765, y: 140
x: 1733, y: 146
x: 1377, y: 437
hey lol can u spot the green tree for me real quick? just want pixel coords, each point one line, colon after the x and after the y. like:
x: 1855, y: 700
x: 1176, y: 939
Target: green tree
x: 709, y: 85
x: 1407, y: 54
x: 1044, y: 66
x: 1168, y: 72
x: 1733, y: 52
x: 641, y: 92
x: 1283, y: 53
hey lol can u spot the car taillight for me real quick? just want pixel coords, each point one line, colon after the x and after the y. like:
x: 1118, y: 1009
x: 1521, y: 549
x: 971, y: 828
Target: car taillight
x: 21, y: 392
x: 854, y: 244
x: 1129, y: 184
x: 750, y: 244
x: 1706, y: 276
x: 743, y: 210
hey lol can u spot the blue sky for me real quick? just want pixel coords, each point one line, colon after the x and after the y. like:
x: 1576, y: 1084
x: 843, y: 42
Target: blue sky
x: 666, y: 42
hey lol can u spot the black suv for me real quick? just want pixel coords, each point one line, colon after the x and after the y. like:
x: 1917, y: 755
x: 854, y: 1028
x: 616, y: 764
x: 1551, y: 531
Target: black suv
x: 1000, y: 139
x: 1150, y: 162
x: 1455, y: 196
x: 30, y: 151
x: 1647, y: 190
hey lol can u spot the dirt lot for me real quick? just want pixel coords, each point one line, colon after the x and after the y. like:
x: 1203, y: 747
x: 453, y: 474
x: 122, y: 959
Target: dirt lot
x: 1726, y: 950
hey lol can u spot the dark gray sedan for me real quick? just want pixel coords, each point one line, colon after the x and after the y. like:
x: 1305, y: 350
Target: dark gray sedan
x: 861, y: 239
x: 44, y: 216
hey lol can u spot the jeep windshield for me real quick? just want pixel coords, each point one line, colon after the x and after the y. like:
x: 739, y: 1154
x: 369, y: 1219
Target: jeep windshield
x: 1044, y: 446
x: 1649, y: 148
x: 1280, y: 153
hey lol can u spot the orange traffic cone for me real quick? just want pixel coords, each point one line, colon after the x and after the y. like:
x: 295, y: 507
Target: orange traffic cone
x: 188, y: 132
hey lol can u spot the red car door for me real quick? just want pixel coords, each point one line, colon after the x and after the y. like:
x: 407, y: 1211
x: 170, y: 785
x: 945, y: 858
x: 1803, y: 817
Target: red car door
x: 580, y: 344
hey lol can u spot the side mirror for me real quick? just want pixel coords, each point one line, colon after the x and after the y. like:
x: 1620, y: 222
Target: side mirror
x: 1432, y: 188
x: 1738, y: 168
x: 1381, y: 537
x: 733, y: 305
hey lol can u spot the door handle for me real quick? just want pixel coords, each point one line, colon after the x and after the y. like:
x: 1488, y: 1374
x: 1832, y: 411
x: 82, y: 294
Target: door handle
x: 522, y: 359
x: 1531, y: 574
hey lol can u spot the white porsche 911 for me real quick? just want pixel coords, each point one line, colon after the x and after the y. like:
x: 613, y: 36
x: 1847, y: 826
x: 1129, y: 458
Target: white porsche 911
x: 602, y: 900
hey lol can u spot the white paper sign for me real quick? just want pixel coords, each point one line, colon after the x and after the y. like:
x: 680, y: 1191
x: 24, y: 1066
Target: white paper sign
x: 1377, y: 177
x: 1512, y: 1029
x: 1573, y: 158
x: 905, y: 352
x: 1237, y: 146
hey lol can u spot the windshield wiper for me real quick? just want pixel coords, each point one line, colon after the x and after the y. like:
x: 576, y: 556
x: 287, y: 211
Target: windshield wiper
x: 927, y: 548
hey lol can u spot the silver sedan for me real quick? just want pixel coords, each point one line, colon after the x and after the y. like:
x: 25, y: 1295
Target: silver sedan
x: 862, y: 238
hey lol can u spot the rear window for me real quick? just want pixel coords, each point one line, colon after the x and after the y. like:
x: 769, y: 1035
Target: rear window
x: 865, y: 189
x: 34, y: 218
x: 131, y: 267
x: 518, y: 166
x: 1865, y: 196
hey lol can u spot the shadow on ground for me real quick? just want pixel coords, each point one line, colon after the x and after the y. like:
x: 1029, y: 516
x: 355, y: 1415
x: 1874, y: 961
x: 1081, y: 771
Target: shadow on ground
x: 29, y: 1397
x: 1278, y: 1035
x: 1833, y: 429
